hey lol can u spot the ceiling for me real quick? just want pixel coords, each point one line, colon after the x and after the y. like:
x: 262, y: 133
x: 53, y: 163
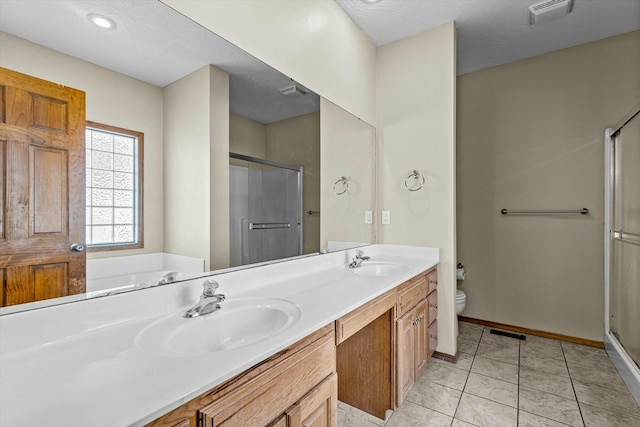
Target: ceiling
x: 155, y: 44
x: 493, y: 32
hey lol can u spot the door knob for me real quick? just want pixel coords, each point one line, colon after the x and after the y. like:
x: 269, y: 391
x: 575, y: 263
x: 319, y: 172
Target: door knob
x: 77, y: 247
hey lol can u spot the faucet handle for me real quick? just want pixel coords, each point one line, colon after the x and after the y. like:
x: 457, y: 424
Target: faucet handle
x: 359, y: 253
x: 210, y: 287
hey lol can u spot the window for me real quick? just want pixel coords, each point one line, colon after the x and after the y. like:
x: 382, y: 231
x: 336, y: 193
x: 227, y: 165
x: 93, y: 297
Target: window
x: 114, y: 187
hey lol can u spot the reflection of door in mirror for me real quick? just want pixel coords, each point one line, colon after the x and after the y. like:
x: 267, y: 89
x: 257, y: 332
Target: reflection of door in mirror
x: 42, y: 181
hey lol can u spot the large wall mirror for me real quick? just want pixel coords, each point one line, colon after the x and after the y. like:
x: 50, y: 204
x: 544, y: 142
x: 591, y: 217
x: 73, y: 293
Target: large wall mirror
x: 241, y: 164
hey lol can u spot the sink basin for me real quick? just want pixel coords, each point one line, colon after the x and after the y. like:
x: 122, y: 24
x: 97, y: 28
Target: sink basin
x: 239, y: 323
x: 379, y: 269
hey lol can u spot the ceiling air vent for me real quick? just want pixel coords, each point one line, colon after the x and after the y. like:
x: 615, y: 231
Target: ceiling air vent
x: 293, y: 91
x: 547, y: 10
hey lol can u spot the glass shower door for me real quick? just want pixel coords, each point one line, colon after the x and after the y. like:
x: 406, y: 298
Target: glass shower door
x: 625, y: 239
x: 265, y: 210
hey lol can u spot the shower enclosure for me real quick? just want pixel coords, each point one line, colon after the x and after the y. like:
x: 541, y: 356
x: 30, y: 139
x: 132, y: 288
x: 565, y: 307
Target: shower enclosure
x: 265, y: 210
x: 623, y: 234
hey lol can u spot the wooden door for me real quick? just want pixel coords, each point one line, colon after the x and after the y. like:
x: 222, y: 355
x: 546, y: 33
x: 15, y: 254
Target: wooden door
x: 41, y: 189
x: 318, y: 407
x: 421, y: 339
x: 404, y: 359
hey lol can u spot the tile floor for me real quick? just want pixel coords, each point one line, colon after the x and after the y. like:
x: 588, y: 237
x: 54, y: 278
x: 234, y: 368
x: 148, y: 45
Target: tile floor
x: 501, y: 381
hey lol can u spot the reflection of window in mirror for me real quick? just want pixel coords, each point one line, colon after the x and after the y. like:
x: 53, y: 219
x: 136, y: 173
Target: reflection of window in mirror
x: 114, y: 187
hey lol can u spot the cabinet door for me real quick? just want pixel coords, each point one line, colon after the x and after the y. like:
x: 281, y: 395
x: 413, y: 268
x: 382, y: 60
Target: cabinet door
x: 433, y: 306
x: 318, y: 407
x: 404, y: 359
x: 421, y: 338
x: 433, y: 337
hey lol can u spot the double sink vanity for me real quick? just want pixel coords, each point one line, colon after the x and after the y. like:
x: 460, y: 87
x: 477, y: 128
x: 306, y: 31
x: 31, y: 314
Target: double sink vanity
x: 288, y: 340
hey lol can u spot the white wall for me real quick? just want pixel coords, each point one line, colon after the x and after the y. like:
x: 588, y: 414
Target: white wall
x: 416, y: 130
x: 196, y: 130
x: 313, y: 42
x: 113, y: 99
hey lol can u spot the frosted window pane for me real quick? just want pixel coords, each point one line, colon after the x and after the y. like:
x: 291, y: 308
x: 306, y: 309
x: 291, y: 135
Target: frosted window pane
x: 88, y: 235
x: 102, y: 216
x: 88, y: 216
x: 123, y: 216
x: 123, y: 198
x: 102, y: 160
x: 102, y: 141
x: 123, y: 181
x: 87, y: 177
x: 123, y: 233
x: 102, y: 179
x: 122, y: 163
x: 101, y: 197
x: 87, y: 158
x: 123, y: 144
x: 102, y: 234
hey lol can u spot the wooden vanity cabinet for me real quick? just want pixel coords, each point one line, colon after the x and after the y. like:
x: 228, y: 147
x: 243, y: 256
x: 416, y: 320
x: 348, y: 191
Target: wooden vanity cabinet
x: 295, y: 387
x: 415, y: 327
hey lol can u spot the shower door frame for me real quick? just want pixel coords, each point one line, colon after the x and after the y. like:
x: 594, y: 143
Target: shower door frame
x: 300, y: 170
x: 621, y: 359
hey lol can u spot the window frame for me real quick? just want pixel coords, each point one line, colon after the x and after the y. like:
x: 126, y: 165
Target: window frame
x: 138, y: 195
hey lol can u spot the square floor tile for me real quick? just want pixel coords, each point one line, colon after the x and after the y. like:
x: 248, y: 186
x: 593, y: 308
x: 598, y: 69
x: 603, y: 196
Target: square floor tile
x: 445, y: 375
x: 412, y: 415
x: 495, y: 369
x: 568, y: 346
x: 467, y: 346
x: 486, y: 413
x: 525, y: 419
x: 544, y: 364
x: 608, y: 377
x: 578, y: 356
x: 464, y: 361
x: 549, y: 383
x: 490, y: 388
x: 499, y: 340
x: 352, y: 417
x: 550, y: 406
x: 470, y: 331
x: 542, y: 349
x: 606, y: 398
x: 597, y: 417
x: 460, y: 423
x: 434, y: 396
x: 506, y: 354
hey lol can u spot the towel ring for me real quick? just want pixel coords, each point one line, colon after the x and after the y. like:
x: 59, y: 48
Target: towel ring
x: 416, y: 176
x: 345, y: 185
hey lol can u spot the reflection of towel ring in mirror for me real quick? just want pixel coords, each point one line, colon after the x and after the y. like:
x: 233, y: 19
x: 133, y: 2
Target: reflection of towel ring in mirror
x: 345, y: 185
x: 417, y: 176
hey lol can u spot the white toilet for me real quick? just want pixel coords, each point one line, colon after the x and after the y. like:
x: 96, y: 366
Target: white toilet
x: 461, y: 301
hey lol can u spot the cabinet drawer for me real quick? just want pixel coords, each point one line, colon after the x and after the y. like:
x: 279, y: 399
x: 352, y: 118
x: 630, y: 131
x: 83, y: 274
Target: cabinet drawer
x: 264, y: 398
x: 432, y: 301
x: 432, y: 280
x: 433, y: 337
x: 410, y: 293
x: 351, y: 323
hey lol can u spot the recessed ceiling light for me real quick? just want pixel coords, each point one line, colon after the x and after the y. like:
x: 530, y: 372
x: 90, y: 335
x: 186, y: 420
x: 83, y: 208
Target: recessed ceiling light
x: 101, y: 21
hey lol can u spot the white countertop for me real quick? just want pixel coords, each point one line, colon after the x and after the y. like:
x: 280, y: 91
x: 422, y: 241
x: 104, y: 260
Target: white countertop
x: 78, y: 364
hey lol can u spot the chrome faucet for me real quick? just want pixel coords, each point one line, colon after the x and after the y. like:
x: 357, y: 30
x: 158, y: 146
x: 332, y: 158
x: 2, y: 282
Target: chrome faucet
x: 359, y: 258
x: 168, y: 278
x: 208, y: 300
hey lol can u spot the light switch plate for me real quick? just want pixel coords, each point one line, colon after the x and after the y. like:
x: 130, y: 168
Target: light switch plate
x: 386, y: 217
x: 368, y: 217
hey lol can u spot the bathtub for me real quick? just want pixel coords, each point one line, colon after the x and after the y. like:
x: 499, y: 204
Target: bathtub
x: 115, y: 274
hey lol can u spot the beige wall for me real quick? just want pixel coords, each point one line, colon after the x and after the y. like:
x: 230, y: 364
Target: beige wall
x: 530, y: 137
x: 246, y: 136
x: 313, y: 42
x: 296, y: 141
x: 112, y: 99
x: 416, y: 130
x: 196, y: 190
x: 347, y: 148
